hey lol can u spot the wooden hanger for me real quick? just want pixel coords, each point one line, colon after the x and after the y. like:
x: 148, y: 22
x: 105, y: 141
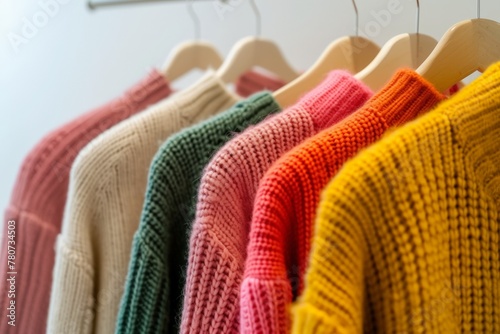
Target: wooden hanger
x: 192, y: 54
x: 467, y: 47
x: 348, y: 53
x: 189, y: 56
x: 405, y: 50
x: 256, y: 52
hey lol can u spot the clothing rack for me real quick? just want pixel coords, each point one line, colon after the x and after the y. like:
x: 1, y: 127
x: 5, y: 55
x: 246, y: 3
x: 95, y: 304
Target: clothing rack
x: 95, y: 5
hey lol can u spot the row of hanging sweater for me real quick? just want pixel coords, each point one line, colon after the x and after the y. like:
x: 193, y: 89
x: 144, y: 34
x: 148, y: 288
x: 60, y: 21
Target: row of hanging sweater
x: 354, y: 208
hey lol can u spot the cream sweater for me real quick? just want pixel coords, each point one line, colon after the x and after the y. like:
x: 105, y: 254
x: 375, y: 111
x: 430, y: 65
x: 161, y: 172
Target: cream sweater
x: 106, y: 193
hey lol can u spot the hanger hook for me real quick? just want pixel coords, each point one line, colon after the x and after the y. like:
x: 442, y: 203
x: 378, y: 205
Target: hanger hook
x: 478, y: 5
x: 418, y: 17
x: 258, y: 20
x: 194, y: 18
x: 357, y: 17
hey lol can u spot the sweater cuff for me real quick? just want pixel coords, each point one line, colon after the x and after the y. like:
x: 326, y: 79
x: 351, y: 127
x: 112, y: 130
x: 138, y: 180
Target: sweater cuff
x: 265, y: 306
x: 72, y: 303
x: 211, y: 301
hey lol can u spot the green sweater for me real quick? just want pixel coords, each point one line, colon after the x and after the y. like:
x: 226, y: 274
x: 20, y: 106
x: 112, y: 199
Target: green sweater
x: 152, y: 300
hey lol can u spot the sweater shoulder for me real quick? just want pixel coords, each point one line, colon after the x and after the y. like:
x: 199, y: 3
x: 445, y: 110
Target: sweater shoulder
x: 103, y: 154
x: 247, y: 156
x: 391, y: 165
x: 52, y: 157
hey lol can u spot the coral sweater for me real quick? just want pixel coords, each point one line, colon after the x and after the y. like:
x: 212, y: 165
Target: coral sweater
x: 39, y: 195
x: 152, y: 299
x: 226, y: 196
x: 286, y: 201
x: 107, y: 186
x: 407, y: 236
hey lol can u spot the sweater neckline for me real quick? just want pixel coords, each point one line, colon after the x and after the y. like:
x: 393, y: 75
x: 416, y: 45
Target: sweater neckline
x: 406, y: 96
x: 153, y: 84
x: 328, y: 102
x: 474, y: 115
x: 209, y: 92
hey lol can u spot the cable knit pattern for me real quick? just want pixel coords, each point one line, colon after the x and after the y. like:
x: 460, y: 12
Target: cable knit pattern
x: 153, y: 295
x: 407, y: 235
x: 218, y: 243
x: 285, y: 204
x: 107, y: 185
x: 39, y: 195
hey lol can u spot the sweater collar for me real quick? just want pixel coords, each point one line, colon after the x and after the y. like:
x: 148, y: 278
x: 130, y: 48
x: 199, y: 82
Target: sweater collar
x: 338, y: 95
x: 474, y: 114
x: 209, y: 94
x: 251, y: 82
x: 406, y: 96
x: 154, y: 87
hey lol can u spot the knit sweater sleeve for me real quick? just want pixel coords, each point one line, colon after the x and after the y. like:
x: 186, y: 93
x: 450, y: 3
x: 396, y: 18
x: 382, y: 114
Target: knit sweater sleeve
x: 88, y: 275
x: 144, y: 304
x: 334, y: 294
x: 72, y: 303
x: 72, y: 306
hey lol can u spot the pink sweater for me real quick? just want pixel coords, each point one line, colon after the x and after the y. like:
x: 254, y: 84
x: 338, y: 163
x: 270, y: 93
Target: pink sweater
x: 39, y: 195
x: 220, y: 232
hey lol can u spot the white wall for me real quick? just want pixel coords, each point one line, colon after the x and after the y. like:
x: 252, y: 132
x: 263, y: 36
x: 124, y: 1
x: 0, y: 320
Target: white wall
x: 81, y: 59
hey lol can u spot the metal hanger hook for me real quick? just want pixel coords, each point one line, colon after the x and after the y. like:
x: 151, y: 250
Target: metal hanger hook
x: 418, y: 17
x: 258, y: 20
x: 478, y: 5
x: 357, y: 17
x: 194, y: 18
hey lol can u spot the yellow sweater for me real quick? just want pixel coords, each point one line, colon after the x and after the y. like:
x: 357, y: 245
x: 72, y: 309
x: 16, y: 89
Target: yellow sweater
x: 407, y: 238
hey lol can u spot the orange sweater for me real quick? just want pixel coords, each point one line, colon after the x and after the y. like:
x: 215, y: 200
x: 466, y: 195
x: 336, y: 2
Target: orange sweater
x: 285, y: 205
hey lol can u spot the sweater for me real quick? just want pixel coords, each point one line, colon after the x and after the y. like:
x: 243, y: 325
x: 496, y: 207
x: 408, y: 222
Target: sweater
x: 407, y: 235
x: 252, y: 82
x: 153, y: 293
x: 219, y: 239
x: 285, y: 204
x: 39, y: 195
x: 107, y: 185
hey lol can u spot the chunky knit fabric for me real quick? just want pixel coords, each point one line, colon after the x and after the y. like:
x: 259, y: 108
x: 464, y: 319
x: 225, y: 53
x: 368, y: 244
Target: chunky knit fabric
x: 107, y: 185
x: 407, y: 235
x: 39, y: 195
x: 252, y: 82
x: 218, y: 243
x: 153, y: 296
x: 284, y: 211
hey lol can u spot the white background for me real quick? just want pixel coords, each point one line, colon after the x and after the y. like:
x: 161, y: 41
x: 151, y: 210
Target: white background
x: 82, y: 59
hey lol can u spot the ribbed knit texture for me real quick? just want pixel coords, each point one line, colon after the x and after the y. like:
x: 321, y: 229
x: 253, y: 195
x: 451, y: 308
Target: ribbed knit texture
x: 408, y: 233
x: 107, y: 186
x: 219, y: 239
x: 252, y: 82
x: 153, y: 295
x: 286, y: 201
x: 39, y: 195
